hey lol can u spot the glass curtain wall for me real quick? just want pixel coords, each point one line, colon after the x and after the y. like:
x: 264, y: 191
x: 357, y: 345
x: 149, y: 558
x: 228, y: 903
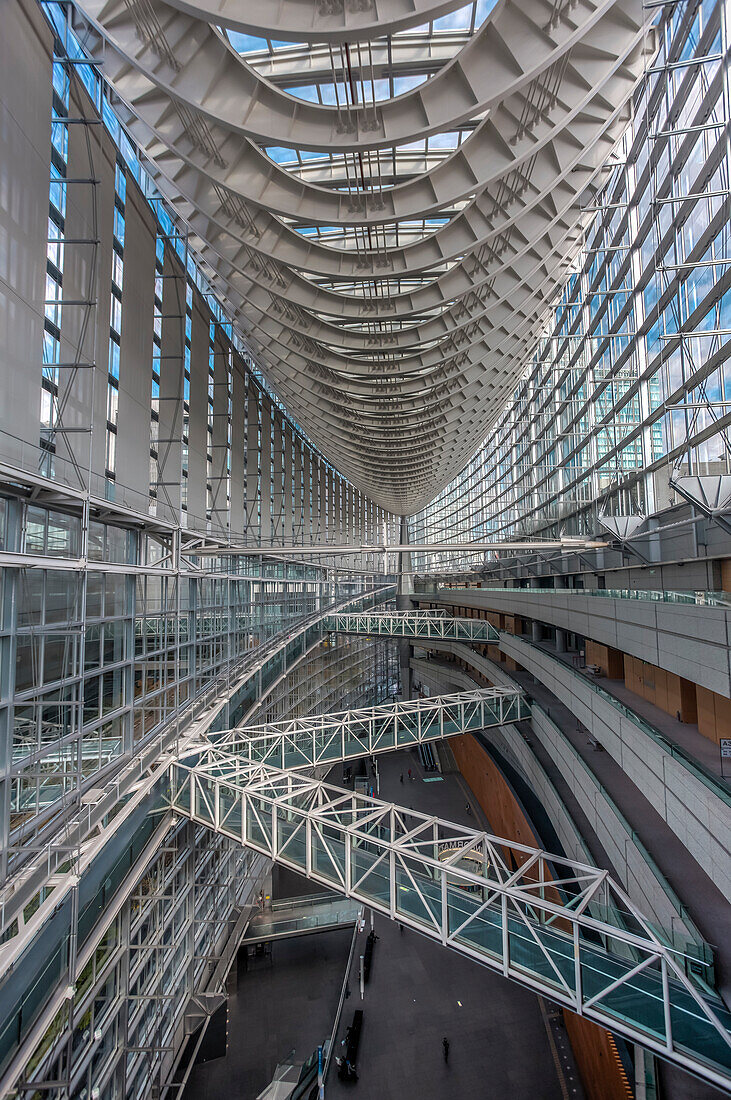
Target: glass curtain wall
x: 630, y: 380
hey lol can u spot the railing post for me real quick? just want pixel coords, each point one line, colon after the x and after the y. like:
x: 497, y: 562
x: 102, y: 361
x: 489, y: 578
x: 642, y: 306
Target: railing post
x: 445, y: 909
x: 577, y: 967
x: 347, y: 850
x: 666, y: 1003
x: 275, y: 830
x: 506, y: 937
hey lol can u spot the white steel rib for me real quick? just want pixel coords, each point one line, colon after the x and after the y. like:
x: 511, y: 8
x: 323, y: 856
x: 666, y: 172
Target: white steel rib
x: 388, y: 198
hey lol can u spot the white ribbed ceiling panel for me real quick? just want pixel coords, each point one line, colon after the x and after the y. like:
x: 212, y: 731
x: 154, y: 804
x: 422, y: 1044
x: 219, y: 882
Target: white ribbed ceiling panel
x: 388, y: 194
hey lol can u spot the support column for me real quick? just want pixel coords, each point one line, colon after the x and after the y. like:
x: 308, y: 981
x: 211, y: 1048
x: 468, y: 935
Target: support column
x: 404, y: 592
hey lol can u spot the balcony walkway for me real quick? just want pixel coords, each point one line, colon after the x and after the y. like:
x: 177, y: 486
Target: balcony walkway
x: 706, y: 903
x: 685, y: 735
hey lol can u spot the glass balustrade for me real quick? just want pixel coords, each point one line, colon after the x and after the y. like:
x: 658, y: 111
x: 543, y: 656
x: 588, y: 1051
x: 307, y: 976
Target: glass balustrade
x: 699, y: 599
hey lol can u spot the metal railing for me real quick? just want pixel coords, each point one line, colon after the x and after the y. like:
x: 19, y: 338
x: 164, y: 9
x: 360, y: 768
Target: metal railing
x: 699, y: 599
x: 695, y: 767
x: 692, y: 949
x: 299, y: 916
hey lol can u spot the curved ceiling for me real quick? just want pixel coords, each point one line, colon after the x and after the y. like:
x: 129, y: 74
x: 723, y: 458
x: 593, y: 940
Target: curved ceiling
x: 386, y: 193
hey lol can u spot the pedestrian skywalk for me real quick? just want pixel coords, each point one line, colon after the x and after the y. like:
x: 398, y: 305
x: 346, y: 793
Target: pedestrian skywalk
x: 562, y: 928
x: 327, y: 738
x: 412, y: 624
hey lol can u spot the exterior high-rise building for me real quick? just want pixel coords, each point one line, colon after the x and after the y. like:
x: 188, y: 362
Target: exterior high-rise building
x: 363, y: 391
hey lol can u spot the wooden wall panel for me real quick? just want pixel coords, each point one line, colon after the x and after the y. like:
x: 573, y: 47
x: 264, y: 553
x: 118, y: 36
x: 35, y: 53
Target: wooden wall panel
x: 602, y: 1073
x: 609, y: 660
x: 726, y: 575
x: 714, y: 714
x: 671, y: 693
x: 503, y: 811
x: 514, y: 624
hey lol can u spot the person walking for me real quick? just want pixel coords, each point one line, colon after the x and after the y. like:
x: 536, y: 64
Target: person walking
x: 445, y: 1048
x: 401, y: 777
x: 409, y: 773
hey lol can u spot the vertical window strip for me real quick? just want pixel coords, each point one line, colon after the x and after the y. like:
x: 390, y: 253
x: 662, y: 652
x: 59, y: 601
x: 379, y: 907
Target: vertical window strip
x: 209, y: 420
x: 50, y: 378
x: 115, y: 328
x: 186, y: 396
x: 156, y: 373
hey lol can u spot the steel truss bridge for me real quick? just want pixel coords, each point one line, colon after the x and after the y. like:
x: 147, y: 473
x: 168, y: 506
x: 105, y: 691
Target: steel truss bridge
x: 327, y: 738
x: 561, y: 928
x: 414, y: 625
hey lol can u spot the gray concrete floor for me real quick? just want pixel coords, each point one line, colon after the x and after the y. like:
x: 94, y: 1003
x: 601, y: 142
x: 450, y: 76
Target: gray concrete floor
x: 287, y: 1005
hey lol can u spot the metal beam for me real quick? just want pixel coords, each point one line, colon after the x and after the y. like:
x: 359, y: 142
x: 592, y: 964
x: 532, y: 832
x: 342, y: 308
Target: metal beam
x: 529, y: 546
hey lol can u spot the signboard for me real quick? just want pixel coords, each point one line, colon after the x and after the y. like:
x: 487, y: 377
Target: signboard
x: 725, y: 753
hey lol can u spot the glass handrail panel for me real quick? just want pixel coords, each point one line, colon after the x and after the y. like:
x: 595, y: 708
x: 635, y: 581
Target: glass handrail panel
x: 699, y: 598
x: 540, y: 951
x: 229, y: 810
x: 694, y: 1033
x: 327, y: 853
x: 484, y: 932
x: 292, y: 837
x: 637, y: 1001
x: 204, y: 799
x: 417, y: 895
x: 370, y: 878
x: 296, y: 757
x: 259, y: 823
